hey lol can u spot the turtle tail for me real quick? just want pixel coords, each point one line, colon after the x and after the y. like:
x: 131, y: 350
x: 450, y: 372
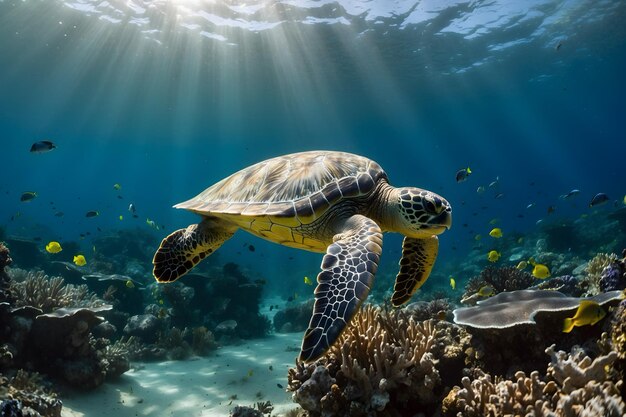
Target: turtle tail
x: 185, y: 248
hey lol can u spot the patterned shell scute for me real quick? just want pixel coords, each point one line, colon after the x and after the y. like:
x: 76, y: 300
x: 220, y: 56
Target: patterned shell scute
x: 302, y: 182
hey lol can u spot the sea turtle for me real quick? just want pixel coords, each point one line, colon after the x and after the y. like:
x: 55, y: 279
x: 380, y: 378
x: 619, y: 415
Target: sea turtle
x: 321, y: 201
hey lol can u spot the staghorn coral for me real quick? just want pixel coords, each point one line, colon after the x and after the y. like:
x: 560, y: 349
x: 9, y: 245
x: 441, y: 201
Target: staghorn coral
x: 574, y: 386
x: 35, y: 398
x: 49, y: 293
x: 382, y: 362
x: 590, y: 284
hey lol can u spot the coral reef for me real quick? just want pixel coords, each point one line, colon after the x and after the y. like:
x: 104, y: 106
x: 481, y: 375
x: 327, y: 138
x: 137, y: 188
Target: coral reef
x: 40, y: 291
x: 574, y: 385
x: 5, y: 279
x: 438, y: 308
x: 258, y: 410
x: 27, y: 394
x: 381, y: 363
x: 506, y: 278
x: 590, y: 284
x: 62, y: 344
x: 115, y: 358
x: 294, y: 317
x: 566, y: 284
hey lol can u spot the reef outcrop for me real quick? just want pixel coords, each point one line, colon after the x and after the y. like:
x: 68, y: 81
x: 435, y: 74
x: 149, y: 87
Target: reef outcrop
x: 382, y: 365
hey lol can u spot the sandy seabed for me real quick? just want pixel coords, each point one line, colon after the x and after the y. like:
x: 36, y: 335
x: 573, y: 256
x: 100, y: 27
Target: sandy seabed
x: 197, y: 386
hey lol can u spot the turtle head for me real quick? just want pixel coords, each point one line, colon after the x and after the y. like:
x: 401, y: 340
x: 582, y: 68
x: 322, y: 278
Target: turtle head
x: 422, y: 213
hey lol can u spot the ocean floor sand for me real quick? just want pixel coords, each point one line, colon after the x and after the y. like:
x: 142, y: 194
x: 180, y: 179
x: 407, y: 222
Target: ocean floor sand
x: 198, y: 386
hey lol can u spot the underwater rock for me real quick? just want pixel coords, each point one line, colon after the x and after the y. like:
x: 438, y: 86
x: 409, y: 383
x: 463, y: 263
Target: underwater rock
x: 143, y: 326
x: 55, y: 332
x: 105, y: 330
x: 294, y: 317
x: 25, y: 253
x: 203, y: 341
x: 309, y: 394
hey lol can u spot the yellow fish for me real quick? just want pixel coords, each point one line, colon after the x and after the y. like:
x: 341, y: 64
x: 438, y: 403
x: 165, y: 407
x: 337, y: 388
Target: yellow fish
x: 589, y: 312
x: 80, y: 260
x: 494, y: 221
x: 496, y: 233
x: 152, y: 224
x: 161, y: 301
x: 493, y: 256
x: 624, y: 200
x: 130, y: 284
x: 250, y: 373
x: 308, y: 281
x: 54, y: 247
x: 452, y: 283
x: 477, y: 237
x: 522, y: 265
x: 539, y: 270
x: 117, y: 186
x: 486, y: 291
x: 121, y: 217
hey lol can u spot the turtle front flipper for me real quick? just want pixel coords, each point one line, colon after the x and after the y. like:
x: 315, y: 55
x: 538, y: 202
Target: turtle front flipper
x: 348, y: 270
x: 418, y: 258
x: 185, y: 248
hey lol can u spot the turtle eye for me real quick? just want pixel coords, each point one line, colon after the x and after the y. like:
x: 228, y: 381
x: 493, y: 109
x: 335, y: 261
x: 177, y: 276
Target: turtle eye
x: 431, y: 207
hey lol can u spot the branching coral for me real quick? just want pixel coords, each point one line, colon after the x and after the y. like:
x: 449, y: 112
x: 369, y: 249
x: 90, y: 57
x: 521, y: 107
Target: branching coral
x: 574, y: 386
x: 40, y: 291
x: 115, y: 359
x: 382, y: 361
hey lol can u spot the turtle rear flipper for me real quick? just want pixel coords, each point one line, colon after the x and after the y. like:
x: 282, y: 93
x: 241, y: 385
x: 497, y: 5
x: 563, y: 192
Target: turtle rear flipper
x: 185, y: 248
x: 348, y: 270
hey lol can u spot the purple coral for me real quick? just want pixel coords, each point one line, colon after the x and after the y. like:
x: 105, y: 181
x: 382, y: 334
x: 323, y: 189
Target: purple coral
x: 613, y: 277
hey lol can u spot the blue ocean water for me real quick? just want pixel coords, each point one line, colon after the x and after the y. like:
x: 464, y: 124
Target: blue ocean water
x: 167, y: 97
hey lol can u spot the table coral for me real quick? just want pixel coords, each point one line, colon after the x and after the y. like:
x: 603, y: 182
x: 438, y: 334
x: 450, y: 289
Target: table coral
x: 382, y: 362
x: 509, y: 309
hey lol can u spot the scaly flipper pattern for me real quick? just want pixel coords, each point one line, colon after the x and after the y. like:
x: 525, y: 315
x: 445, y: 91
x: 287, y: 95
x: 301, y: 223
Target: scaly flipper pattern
x: 348, y: 270
x: 418, y: 258
x: 183, y: 249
